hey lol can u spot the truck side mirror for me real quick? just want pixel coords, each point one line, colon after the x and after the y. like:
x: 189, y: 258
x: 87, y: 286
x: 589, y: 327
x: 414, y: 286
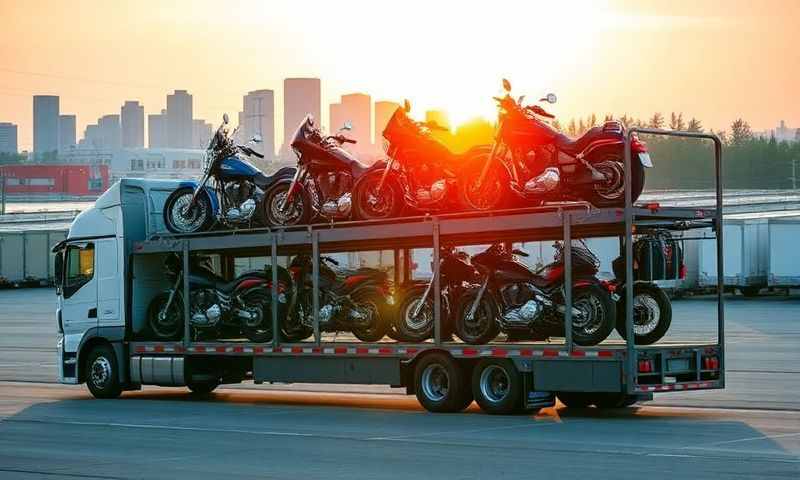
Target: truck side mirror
x: 59, y: 269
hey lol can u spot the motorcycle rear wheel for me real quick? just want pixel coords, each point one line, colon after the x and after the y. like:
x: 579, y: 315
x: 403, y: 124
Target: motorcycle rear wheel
x: 378, y: 307
x: 260, y: 303
x: 178, y: 220
x: 652, y: 314
x: 612, y: 193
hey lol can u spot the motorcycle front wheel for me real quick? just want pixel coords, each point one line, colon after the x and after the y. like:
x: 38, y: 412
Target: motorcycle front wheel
x: 165, y: 324
x: 611, y: 193
x: 376, y: 306
x: 491, y: 194
x: 595, y: 317
x: 180, y: 218
x: 410, y: 327
x: 482, y: 327
x: 373, y: 205
x: 258, y: 304
x: 280, y: 213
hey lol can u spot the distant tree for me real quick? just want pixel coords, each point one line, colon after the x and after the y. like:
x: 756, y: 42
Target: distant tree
x: 626, y: 120
x: 609, y: 117
x: 676, y: 122
x: 740, y: 132
x: 572, y: 129
x: 638, y: 123
x: 694, y: 125
x: 656, y: 121
x: 581, y: 127
x: 556, y: 124
x: 592, y: 122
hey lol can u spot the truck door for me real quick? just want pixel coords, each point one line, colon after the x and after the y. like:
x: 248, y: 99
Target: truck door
x: 79, y: 293
x: 108, y: 283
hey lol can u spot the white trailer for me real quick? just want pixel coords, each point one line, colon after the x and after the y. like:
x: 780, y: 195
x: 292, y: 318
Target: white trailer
x: 26, y: 256
x: 746, y: 255
x: 784, y: 262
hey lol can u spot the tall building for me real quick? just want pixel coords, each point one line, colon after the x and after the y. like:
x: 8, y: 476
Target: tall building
x: 258, y: 117
x: 157, y: 130
x: 45, y: 124
x: 132, y: 124
x: 358, y: 111
x: 301, y: 96
x: 336, y: 117
x: 66, y: 132
x: 179, y: 119
x: 383, y: 112
x: 91, y: 137
x: 201, y: 134
x: 110, y: 132
x: 8, y: 138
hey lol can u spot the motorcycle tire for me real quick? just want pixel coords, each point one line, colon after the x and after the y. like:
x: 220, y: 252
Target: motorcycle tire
x: 414, y: 331
x: 261, y: 303
x: 495, y: 198
x: 593, y: 300
x: 482, y: 329
x: 275, y: 218
x: 613, y: 164
x: 380, y: 314
x: 177, y: 222
x: 165, y: 330
x: 646, y: 296
x: 392, y: 199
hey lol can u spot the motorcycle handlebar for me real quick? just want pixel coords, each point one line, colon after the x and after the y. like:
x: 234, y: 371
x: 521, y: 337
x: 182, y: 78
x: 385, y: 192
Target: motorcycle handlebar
x: 329, y: 260
x: 250, y: 151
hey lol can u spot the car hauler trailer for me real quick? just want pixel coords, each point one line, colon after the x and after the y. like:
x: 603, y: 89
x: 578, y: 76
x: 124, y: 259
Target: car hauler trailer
x: 111, y: 264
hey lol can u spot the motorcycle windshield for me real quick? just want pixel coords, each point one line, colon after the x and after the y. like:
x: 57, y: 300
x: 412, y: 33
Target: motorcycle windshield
x: 303, y: 130
x: 397, y: 125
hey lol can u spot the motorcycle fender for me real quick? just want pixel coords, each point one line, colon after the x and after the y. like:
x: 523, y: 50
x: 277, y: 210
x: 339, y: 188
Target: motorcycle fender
x: 370, y: 287
x: 212, y: 197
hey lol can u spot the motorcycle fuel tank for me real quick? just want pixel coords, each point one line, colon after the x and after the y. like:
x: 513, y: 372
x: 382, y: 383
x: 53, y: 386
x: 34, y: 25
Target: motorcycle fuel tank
x: 236, y: 167
x: 508, y: 271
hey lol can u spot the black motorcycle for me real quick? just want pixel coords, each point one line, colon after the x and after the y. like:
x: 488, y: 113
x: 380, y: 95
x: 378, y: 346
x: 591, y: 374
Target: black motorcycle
x: 230, y: 192
x: 526, y: 304
x: 350, y: 300
x: 216, y: 307
x: 325, y: 176
x: 414, y: 319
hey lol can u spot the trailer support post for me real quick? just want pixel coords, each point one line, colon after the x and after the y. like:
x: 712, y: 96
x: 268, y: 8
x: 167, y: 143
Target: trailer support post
x: 187, y: 327
x: 437, y: 292
x: 567, y: 252
x: 273, y: 250
x: 630, y: 350
x: 720, y: 263
x: 315, y: 277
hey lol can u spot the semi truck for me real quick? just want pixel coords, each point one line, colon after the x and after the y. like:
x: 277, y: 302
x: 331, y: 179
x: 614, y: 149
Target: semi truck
x: 110, y: 268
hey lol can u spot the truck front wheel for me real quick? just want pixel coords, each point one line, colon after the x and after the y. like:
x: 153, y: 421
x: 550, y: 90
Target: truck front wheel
x: 102, y: 373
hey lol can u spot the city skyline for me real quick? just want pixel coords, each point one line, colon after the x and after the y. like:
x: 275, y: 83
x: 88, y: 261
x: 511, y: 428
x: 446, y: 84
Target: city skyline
x: 605, y: 57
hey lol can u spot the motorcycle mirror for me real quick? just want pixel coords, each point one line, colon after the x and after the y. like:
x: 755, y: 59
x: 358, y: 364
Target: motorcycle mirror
x: 406, y: 105
x: 550, y: 98
x: 225, y: 119
x: 520, y: 99
x: 506, y: 85
x: 348, y: 125
x: 257, y: 138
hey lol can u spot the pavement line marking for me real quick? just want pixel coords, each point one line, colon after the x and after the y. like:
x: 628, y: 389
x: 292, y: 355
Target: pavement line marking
x: 670, y: 455
x: 762, y: 437
x: 476, y: 430
x: 171, y: 427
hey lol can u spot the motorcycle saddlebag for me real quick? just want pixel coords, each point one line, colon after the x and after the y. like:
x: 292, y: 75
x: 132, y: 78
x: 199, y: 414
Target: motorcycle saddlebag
x: 656, y: 256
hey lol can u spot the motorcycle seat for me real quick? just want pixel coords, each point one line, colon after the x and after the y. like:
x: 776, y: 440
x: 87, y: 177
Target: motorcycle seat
x: 357, y: 169
x: 573, y: 147
x: 264, y: 181
x: 228, y: 287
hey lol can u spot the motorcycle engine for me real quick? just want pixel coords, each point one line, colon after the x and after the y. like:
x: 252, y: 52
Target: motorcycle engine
x: 525, y: 308
x: 335, y: 188
x: 205, y: 310
x: 326, y: 313
x: 240, y: 194
x: 436, y: 192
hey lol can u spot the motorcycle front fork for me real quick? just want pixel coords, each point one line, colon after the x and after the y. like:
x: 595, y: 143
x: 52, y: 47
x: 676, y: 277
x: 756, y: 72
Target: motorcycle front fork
x: 474, y: 307
x: 290, y: 192
x: 425, y: 296
x: 172, y: 293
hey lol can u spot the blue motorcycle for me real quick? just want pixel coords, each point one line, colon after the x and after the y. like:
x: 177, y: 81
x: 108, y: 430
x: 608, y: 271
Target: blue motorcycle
x: 231, y: 192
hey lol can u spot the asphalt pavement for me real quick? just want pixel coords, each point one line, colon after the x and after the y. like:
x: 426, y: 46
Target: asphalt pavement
x: 749, y: 430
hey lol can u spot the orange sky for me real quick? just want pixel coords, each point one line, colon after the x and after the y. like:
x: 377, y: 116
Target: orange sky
x: 714, y: 59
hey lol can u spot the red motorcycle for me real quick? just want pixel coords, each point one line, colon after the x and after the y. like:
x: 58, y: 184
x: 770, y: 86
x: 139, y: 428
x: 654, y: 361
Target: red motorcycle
x: 532, y: 161
x: 420, y: 172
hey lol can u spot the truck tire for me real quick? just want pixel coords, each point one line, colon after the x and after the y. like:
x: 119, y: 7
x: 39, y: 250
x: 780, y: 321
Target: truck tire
x: 202, y: 388
x: 497, y: 386
x: 440, y: 384
x: 102, y: 372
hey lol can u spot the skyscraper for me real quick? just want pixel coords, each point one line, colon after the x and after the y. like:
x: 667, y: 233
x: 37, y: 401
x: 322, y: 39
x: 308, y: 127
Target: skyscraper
x: 383, y: 112
x: 132, y: 124
x: 336, y: 117
x: 358, y: 111
x: 301, y: 96
x: 66, y: 132
x: 258, y: 117
x: 201, y: 134
x: 157, y: 130
x: 109, y: 131
x: 45, y: 124
x: 8, y: 138
x: 179, y: 119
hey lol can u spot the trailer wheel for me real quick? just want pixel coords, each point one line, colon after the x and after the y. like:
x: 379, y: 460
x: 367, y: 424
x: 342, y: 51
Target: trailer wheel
x: 574, y: 399
x: 202, y: 388
x: 440, y: 384
x: 102, y: 373
x: 497, y: 386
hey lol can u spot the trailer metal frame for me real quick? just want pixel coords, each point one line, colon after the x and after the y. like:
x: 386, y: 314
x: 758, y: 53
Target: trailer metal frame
x: 554, y: 222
